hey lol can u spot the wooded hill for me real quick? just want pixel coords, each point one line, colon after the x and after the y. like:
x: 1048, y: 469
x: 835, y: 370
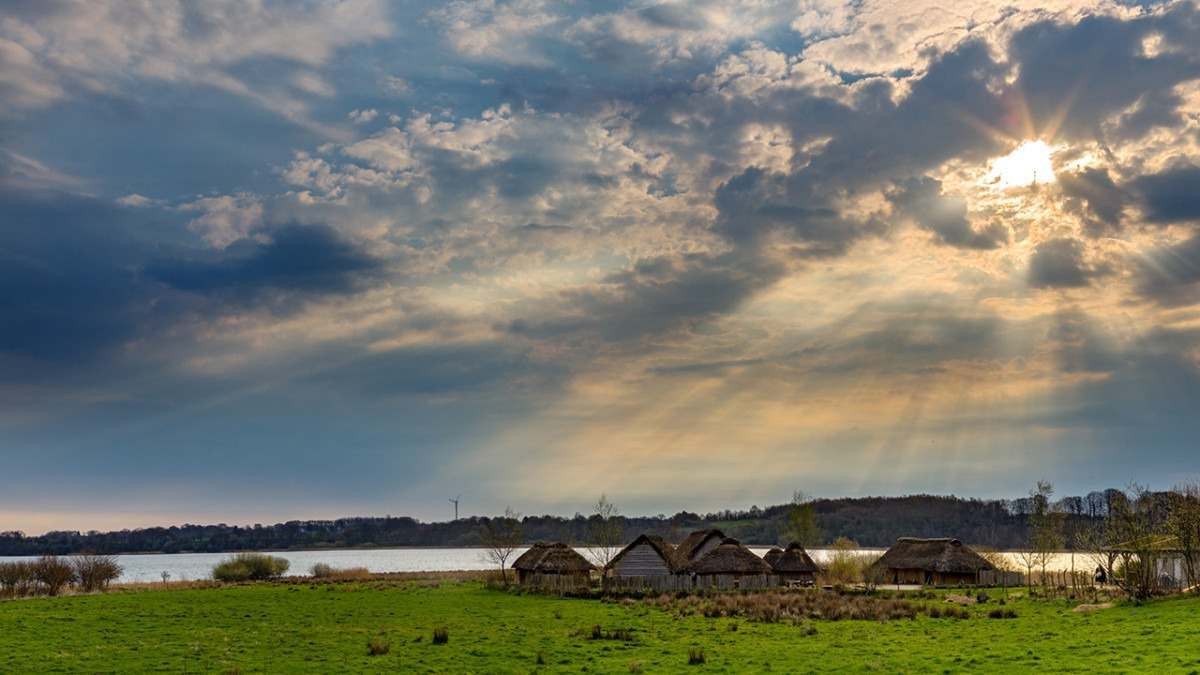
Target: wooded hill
x: 870, y: 521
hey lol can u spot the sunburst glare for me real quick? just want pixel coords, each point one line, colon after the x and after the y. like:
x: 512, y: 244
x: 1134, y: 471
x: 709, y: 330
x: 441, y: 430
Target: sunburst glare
x: 1030, y: 163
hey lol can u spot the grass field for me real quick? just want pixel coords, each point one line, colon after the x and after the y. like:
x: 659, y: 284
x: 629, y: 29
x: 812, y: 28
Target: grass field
x: 326, y: 628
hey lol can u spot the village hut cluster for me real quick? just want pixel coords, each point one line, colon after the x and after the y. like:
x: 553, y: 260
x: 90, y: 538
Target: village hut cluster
x: 707, y: 559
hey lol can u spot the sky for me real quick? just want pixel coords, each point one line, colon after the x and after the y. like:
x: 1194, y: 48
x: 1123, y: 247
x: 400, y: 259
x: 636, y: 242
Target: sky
x: 264, y: 260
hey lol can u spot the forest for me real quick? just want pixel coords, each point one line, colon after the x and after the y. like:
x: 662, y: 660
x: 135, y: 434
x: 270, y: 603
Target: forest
x: 869, y: 521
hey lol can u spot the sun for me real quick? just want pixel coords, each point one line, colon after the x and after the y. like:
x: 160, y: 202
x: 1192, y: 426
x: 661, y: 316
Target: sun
x: 1029, y: 164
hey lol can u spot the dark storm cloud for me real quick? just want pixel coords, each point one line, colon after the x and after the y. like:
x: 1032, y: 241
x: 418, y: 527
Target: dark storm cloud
x: 921, y: 199
x: 81, y: 277
x: 1083, y: 73
x: 1172, y: 196
x: 1058, y: 263
x: 69, y: 288
x: 299, y: 258
x: 1093, y: 194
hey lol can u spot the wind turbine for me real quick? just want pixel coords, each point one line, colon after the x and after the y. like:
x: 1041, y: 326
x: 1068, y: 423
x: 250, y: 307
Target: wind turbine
x: 454, y: 501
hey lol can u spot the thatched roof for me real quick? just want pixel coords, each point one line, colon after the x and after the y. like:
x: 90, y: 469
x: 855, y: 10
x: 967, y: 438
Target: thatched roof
x: 556, y: 558
x: 664, y: 549
x: 730, y: 557
x: 773, y: 555
x: 528, y: 559
x: 794, y: 559
x: 687, y: 549
x: 933, y: 555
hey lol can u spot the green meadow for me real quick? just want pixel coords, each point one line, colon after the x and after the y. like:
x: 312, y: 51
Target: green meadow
x: 323, y: 628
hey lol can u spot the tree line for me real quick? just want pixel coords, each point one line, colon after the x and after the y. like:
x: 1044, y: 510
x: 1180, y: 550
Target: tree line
x: 870, y: 521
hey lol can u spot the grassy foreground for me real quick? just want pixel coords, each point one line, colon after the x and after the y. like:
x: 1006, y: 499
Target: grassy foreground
x: 326, y: 628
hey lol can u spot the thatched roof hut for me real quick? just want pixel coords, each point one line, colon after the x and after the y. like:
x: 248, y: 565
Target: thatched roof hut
x: 773, y: 555
x: 931, y: 562
x: 556, y: 559
x: 729, y: 558
x: 696, y: 545
x: 648, y: 555
x: 794, y: 563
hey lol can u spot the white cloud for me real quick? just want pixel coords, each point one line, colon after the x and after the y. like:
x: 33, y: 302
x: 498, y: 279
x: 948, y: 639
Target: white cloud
x: 364, y: 116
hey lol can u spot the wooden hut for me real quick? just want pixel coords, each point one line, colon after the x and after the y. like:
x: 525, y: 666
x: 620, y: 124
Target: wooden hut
x: 696, y: 545
x: 731, y: 565
x: 794, y: 565
x: 647, y: 563
x: 931, y: 562
x: 556, y: 567
x: 647, y: 556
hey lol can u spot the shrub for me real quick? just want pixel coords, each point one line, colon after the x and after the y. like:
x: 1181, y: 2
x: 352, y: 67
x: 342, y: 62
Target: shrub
x: 95, y: 572
x: 250, y: 567
x: 53, y: 573
x: 635, y: 666
x: 16, y: 578
x: 441, y: 635
x: 378, y: 646
x: 696, y: 657
x: 1002, y: 614
x: 982, y: 598
x: 321, y: 570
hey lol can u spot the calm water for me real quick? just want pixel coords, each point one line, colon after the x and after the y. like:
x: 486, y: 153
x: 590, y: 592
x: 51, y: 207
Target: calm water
x: 193, y: 566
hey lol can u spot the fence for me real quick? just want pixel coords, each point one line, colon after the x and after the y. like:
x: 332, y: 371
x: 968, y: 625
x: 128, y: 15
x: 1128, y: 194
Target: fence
x: 1001, y: 578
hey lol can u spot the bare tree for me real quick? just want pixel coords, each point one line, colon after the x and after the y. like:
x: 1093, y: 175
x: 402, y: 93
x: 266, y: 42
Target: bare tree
x: 1183, y: 523
x: 1136, y: 522
x: 802, y: 521
x: 606, y: 532
x: 501, y: 537
x: 1045, y: 525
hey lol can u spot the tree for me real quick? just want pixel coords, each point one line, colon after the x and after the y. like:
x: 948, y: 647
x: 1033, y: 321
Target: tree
x: 1183, y: 523
x: 501, y: 537
x: 606, y: 532
x: 1135, y: 523
x: 802, y: 521
x: 1045, y: 526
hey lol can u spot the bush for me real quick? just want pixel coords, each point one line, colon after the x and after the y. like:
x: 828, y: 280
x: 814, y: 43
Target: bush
x: 1002, y: 614
x: 441, y: 635
x: 250, y: 567
x: 696, y: 657
x: 95, y: 572
x: 982, y: 598
x: 378, y: 646
x: 16, y: 578
x: 321, y: 570
x: 53, y: 573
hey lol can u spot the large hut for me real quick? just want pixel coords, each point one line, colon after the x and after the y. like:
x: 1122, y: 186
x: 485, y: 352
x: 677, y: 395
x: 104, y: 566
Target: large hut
x: 931, y: 562
x: 553, y: 566
x: 793, y: 564
x: 647, y: 556
x: 731, y: 565
x: 696, y: 545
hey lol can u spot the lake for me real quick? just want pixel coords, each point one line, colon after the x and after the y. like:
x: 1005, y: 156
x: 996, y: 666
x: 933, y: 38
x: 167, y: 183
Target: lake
x: 194, y: 566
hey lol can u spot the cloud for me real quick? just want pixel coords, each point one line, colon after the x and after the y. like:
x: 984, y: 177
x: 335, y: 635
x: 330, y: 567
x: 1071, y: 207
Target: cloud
x: 1093, y: 194
x: 1058, y: 263
x: 303, y: 258
x: 1171, y: 274
x: 1171, y: 196
x: 922, y: 200
x: 53, y: 51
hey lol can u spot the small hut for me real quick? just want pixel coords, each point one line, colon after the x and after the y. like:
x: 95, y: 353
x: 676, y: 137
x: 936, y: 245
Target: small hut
x: 553, y: 567
x: 647, y: 556
x: 647, y: 563
x: 931, y: 562
x: 696, y: 545
x: 793, y: 564
x: 731, y: 565
x: 773, y: 555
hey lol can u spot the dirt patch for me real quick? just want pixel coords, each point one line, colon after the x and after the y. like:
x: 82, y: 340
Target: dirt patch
x: 1093, y: 608
x: 960, y: 599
